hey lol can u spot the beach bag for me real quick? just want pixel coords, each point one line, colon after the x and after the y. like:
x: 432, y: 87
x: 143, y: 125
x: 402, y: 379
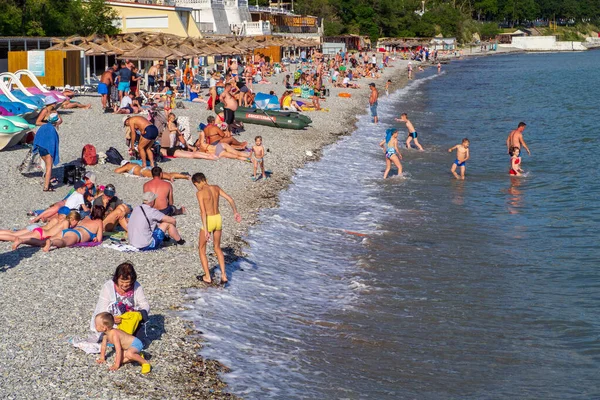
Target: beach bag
x: 89, y: 155
x: 72, y: 174
x: 113, y: 156
x: 31, y: 163
x: 156, y: 152
x: 130, y: 321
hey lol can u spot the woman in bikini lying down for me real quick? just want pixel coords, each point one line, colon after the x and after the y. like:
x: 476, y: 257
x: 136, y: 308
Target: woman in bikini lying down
x: 55, y: 224
x: 89, y: 229
x: 136, y: 169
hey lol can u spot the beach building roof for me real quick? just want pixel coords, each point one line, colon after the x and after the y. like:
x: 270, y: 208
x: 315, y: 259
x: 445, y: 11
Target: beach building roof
x: 64, y: 45
x: 148, y: 53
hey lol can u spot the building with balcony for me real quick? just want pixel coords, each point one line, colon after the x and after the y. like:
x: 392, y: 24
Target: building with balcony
x: 209, y: 15
x: 214, y: 17
x: 153, y: 17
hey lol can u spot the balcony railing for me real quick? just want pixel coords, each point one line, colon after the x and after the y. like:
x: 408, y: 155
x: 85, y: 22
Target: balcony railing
x: 271, y: 10
x: 207, y: 27
x: 295, y: 29
x: 258, y: 28
x: 205, y: 3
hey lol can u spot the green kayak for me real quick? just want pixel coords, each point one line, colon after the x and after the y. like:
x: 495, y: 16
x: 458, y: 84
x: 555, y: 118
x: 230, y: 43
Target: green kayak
x: 278, y: 119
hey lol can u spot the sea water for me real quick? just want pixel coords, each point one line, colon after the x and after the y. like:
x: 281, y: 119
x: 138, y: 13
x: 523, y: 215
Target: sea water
x: 421, y: 286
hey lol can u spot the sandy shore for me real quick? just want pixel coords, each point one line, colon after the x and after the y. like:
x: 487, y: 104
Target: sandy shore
x: 49, y: 297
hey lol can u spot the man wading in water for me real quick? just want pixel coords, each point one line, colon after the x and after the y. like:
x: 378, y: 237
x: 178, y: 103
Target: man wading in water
x: 515, y: 138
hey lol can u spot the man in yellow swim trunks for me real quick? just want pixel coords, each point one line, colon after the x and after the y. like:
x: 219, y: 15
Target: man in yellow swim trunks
x: 208, y: 198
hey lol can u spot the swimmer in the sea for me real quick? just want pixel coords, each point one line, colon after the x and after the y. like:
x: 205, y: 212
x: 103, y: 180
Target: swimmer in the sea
x: 515, y: 162
x: 462, y: 155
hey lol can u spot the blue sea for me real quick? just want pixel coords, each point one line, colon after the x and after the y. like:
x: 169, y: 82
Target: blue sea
x: 422, y: 286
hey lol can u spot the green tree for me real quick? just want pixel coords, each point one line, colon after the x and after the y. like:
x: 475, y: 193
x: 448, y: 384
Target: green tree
x: 10, y: 18
x: 98, y: 18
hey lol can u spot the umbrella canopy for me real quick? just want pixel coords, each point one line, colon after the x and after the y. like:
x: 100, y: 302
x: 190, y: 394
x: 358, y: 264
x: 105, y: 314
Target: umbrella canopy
x: 225, y: 49
x: 123, y: 44
x: 107, y: 44
x: 147, y: 53
x: 94, y: 49
x: 65, y: 46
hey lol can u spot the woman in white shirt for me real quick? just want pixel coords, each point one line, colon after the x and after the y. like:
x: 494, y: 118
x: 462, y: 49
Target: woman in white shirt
x: 121, y: 294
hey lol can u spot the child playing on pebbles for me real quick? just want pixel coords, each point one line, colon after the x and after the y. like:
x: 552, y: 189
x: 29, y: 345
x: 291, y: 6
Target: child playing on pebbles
x: 127, y: 347
x: 462, y: 155
x: 390, y: 149
x: 258, y: 154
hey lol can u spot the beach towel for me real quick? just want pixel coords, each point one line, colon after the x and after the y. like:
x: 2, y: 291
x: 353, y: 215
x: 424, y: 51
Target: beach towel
x: 125, y: 248
x: 90, y: 344
x: 47, y: 138
x: 87, y: 244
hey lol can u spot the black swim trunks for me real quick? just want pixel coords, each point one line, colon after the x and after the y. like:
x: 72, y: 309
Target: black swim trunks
x: 150, y: 132
x: 229, y: 116
x: 170, y: 151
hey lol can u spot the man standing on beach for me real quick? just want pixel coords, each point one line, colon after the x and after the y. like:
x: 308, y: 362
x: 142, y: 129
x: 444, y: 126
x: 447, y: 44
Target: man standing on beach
x: 229, y: 106
x: 124, y: 80
x: 208, y: 198
x: 515, y: 138
x: 106, y: 81
x: 373, y: 102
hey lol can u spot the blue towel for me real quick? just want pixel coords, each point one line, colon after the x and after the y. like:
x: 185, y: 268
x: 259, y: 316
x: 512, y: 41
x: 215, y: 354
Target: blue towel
x: 47, y: 137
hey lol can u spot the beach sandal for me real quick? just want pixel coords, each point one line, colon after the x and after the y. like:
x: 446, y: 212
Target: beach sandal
x: 254, y: 179
x: 49, y: 189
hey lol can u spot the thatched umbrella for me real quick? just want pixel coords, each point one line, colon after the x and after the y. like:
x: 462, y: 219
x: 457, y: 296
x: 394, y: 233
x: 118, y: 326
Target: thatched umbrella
x: 184, y: 47
x: 123, y: 44
x: 147, y: 53
x: 65, y: 45
x: 108, y: 44
x: 228, y: 50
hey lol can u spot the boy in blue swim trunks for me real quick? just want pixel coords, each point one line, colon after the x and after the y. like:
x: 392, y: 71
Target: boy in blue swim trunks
x: 127, y: 347
x: 462, y: 155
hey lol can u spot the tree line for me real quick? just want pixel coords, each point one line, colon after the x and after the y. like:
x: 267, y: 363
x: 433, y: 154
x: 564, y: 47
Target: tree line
x: 55, y: 17
x: 457, y: 18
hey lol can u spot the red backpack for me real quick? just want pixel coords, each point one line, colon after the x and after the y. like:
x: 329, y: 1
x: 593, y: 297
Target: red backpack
x: 88, y: 155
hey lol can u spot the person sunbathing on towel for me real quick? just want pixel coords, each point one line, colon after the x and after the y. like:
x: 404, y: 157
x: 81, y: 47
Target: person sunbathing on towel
x: 55, y: 224
x: 136, y: 169
x: 89, y: 229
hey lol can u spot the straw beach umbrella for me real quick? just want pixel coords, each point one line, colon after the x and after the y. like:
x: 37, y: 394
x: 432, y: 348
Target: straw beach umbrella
x: 65, y: 45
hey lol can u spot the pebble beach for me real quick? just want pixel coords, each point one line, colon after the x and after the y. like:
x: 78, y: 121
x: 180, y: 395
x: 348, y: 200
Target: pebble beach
x: 48, y: 298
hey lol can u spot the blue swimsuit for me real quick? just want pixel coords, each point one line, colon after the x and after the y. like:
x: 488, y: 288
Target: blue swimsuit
x: 389, y: 152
